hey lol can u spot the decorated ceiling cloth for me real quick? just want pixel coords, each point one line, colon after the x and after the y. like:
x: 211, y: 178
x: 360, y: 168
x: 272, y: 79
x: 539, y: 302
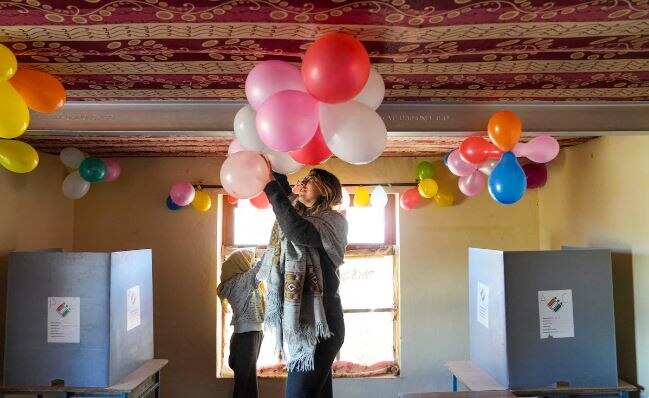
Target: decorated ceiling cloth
x: 426, y: 50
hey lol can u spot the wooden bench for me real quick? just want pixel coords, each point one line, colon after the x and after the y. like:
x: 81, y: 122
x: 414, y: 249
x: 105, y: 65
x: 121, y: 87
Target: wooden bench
x: 140, y: 383
x: 476, y: 379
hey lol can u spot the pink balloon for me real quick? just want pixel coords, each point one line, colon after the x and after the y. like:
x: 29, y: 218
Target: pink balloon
x: 541, y: 149
x: 235, y: 146
x: 459, y: 166
x: 182, y: 193
x: 270, y: 77
x: 288, y: 120
x: 113, y: 170
x: 472, y: 184
x: 244, y: 174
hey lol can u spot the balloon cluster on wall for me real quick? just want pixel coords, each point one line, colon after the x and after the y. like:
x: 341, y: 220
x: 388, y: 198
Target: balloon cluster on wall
x: 507, y: 180
x: 427, y: 188
x: 183, y: 194
x: 297, y: 118
x: 86, y: 170
x: 21, y: 89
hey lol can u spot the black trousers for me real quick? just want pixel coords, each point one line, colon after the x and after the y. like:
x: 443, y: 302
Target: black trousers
x: 316, y: 383
x: 244, y: 351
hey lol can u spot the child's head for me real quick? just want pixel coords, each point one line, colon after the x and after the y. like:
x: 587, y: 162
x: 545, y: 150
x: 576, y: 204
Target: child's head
x: 240, y: 261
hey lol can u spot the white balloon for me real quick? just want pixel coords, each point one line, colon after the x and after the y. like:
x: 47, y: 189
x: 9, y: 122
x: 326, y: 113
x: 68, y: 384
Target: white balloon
x: 379, y: 197
x: 487, y: 167
x: 72, y: 157
x: 353, y: 132
x: 75, y: 187
x: 245, y: 128
x: 373, y: 92
x: 346, y: 199
x: 282, y: 162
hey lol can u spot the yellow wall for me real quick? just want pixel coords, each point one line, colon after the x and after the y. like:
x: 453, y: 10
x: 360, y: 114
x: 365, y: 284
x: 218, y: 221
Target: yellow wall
x: 130, y: 213
x: 597, y: 195
x: 34, y: 214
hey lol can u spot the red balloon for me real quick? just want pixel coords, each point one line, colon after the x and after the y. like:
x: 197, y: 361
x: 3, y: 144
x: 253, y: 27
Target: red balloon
x: 477, y: 150
x: 260, y: 201
x: 335, y: 68
x: 232, y: 200
x: 537, y: 175
x: 314, y: 152
x: 411, y: 199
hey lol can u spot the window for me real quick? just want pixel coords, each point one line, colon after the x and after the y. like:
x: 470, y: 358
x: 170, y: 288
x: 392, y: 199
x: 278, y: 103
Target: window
x: 368, y: 288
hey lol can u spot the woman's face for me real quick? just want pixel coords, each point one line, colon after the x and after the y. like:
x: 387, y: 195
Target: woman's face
x: 309, y: 192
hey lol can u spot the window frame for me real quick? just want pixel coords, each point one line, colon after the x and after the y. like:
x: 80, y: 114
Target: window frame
x: 388, y: 248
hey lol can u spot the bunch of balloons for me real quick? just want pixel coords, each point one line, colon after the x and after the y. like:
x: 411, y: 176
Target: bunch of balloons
x: 21, y: 89
x: 304, y: 117
x: 183, y: 194
x: 427, y: 188
x: 507, y: 180
x: 86, y: 170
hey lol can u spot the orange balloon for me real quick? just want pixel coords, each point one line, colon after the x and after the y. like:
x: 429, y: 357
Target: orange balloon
x: 41, y: 91
x: 505, y: 129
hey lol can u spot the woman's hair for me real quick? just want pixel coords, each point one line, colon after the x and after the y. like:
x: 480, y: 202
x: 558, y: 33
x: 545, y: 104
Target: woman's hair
x: 330, y: 189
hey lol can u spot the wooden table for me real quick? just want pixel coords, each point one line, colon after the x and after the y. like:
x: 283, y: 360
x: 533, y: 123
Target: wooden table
x: 140, y: 383
x: 476, y: 379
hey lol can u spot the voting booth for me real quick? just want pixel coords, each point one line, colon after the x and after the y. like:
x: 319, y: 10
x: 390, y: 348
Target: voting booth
x: 78, y: 319
x: 538, y: 318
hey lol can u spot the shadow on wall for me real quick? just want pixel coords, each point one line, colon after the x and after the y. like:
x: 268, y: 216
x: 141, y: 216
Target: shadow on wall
x: 624, y: 315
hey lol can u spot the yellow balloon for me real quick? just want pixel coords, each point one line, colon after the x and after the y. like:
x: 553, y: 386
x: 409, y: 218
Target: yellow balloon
x: 8, y: 64
x: 444, y: 199
x: 427, y: 188
x: 202, y: 201
x: 361, y: 197
x: 14, y: 115
x: 18, y: 156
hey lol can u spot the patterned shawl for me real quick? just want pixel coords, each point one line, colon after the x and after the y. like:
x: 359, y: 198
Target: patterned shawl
x: 294, y: 305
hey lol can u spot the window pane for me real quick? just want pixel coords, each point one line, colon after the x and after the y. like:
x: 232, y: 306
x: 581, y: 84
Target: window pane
x: 369, y: 338
x: 251, y: 225
x: 267, y: 354
x: 366, y: 225
x: 367, y: 282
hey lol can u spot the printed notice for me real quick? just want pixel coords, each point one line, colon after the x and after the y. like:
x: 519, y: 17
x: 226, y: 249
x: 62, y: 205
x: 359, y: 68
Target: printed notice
x: 63, y: 319
x: 483, y: 304
x: 132, y: 307
x: 555, y: 314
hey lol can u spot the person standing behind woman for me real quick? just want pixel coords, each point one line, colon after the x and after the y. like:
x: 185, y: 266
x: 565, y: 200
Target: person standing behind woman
x: 306, y: 248
x: 240, y: 286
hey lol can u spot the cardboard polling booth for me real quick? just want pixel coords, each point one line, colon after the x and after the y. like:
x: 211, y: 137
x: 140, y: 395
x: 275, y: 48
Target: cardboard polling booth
x: 542, y: 317
x: 84, y: 319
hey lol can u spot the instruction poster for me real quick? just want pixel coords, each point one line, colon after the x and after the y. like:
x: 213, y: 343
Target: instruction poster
x: 132, y: 307
x: 555, y: 314
x: 63, y: 319
x: 483, y: 304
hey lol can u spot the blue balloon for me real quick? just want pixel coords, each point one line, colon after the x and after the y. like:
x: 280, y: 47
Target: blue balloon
x: 446, y: 158
x: 507, y: 181
x: 171, y: 205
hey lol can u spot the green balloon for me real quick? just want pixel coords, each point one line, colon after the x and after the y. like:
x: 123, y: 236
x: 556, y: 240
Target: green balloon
x: 92, y: 169
x: 425, y: 170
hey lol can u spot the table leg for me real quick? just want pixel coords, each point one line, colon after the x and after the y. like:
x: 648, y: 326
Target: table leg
x: 454, y: 383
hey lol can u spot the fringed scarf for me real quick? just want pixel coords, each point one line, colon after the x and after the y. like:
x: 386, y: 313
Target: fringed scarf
x: 294, y: 305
